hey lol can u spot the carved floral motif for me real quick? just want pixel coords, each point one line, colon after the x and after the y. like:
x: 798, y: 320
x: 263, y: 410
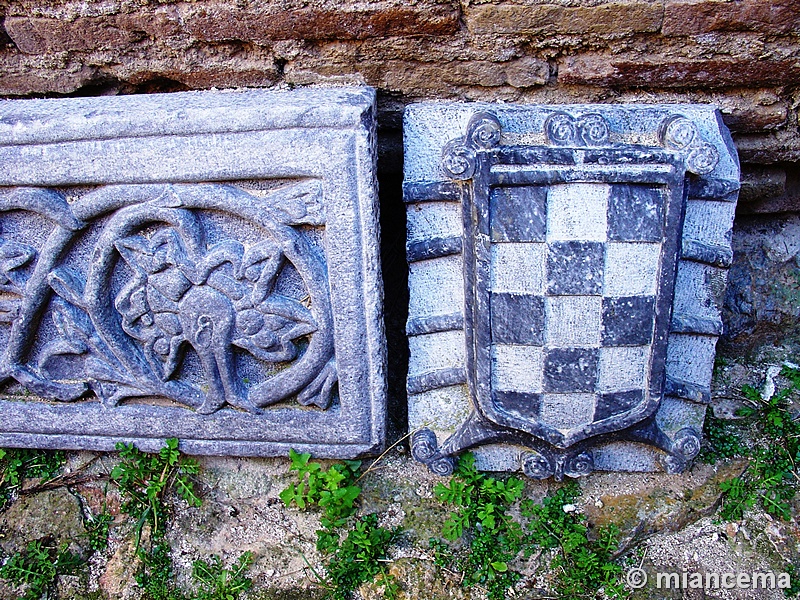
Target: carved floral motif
x: 219, y: 300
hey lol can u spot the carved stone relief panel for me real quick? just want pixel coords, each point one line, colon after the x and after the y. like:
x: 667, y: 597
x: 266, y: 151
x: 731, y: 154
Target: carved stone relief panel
x: 201, y: 266
x: 566, y: 266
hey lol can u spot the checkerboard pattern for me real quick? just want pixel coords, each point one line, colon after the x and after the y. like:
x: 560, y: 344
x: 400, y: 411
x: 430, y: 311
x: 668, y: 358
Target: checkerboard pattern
x: 574, y: 273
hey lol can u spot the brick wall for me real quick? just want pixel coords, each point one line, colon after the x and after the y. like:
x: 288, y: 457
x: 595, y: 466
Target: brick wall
x: 742, y: 54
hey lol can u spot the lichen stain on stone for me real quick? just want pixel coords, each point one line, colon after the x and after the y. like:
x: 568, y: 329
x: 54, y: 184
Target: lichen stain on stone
x: 642, y: 505
x: 55, y: 513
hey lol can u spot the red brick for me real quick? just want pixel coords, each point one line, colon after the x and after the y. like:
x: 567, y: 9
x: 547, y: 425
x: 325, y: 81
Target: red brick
x: 433, y: 78
x: 768, y: 148
x: 39, y: 35
x: 629, y: 72
x: 223, y: 22
x: 754, y: 119
x: 527, y: 72
x: 761, y: 182
x: 611, y: 18
x: 766, y: 16
x: 21, y: 76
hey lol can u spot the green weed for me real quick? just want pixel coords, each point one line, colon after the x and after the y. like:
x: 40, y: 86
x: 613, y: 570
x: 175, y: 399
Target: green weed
x: 217, y: 582
x: 356, y: 559
x: 772, y: 475
x: 480, y: 514
x: 37, y: 567
x: 96, y: 527
x: 583, y: 565
x: 493, y: 539
x: 17, y: 464
x: 144, y: 480
x: 723, y: 439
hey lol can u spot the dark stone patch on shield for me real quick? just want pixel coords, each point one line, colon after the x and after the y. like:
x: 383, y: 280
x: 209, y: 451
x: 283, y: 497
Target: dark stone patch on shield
x: 518, y: 214
x: 517, y: 319
x: 575, y: 268
x: 628, y: 321
x: 570, y: 369
x: 616, y: 403
x: 523, y: 403
x: 634, y: 213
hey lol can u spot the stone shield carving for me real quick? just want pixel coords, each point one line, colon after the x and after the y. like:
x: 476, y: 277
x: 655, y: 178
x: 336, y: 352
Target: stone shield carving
x: 578, y: 274
x: 192, y: 291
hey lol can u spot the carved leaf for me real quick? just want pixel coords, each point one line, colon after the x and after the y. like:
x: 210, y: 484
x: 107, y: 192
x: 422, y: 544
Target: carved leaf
x: 140, y: 256
x: 61, y: 347
x: 162, y: 354
x: 64, y: 392
x: 288, y: 308
x: 71, y: 322
x: 171, y: 283
x: 168, y: 322
x: 320, y: 391
x: 68, y: 284
x: 228, y: 286
x: 103, y: 371
x: 269, y: 333
x: 264, y: 347
x: 111, y: 394
x: 260, y: 265
x: 9, y: 311
x: 14, y: 255
x: 174, y: 357
x: 229, y: 251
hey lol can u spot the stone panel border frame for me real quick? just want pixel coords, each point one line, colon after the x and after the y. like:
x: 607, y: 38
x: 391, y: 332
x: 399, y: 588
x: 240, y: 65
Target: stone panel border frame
x: 246, y: 222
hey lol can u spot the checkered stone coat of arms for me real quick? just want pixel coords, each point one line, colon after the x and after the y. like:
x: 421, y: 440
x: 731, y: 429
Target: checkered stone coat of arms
x: 577, y: 256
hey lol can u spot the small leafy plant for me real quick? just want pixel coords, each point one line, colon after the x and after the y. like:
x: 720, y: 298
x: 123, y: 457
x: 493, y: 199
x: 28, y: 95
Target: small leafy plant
x: 218, y: 583
x: 772, y: 475
x: 480, y: 514
x: 333, y: 490
x: 723, y: 439
x: 493, y: 538
x: 356, y: 559
x: 583, y: 565
x: 17, y: 464
x: 97, y: 530
x: 144, y: 480
x: 38, y: 566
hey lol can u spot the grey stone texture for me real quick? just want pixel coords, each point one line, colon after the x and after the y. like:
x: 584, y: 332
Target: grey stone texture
x: 762, y: 300
x: 595, y: 245
x: 193, y: 265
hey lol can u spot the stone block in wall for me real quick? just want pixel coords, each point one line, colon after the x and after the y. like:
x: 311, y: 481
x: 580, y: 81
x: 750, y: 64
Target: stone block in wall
x: 666, y: 71
x: 194, y: 265
x: 621, y: 18
x: 693, y: 17
x: 567, y: 267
